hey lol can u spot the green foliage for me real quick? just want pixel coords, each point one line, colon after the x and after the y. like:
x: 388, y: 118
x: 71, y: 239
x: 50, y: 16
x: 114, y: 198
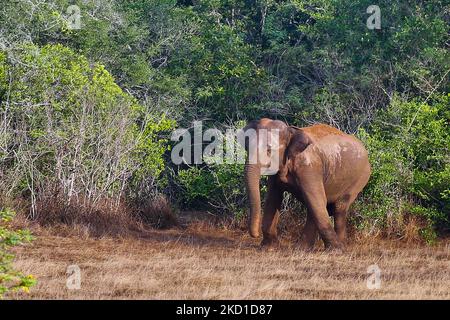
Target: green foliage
x: 219, y: 186
x: 340, y: 72
x: 152, y: 147
x: 409, y: 147
x: 228, y: 60
x: 71, y: 127
x: 222, y: 72
x: 76, y: 125
x: 10, y: 279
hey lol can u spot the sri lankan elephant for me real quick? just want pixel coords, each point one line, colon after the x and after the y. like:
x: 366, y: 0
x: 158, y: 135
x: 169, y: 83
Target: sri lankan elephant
x: 321, y: 166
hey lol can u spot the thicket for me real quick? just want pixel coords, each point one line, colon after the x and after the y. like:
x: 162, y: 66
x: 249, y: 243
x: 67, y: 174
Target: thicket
x: 71, y: 138
x: 86, y: 113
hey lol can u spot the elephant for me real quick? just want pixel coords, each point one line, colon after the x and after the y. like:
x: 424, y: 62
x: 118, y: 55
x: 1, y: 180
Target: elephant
x: 321, y: 166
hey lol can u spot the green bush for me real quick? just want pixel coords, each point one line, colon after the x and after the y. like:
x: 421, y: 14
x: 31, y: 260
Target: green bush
x: 66, y: 125
x: 69, y: 130
x: 220, y: 186
x: 10, y: 279
x: 409, y: 148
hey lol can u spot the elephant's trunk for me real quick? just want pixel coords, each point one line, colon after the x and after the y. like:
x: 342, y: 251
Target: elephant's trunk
x: 252, y: 179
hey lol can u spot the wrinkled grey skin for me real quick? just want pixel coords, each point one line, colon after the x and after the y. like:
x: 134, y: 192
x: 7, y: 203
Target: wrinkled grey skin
x: 322, y: 167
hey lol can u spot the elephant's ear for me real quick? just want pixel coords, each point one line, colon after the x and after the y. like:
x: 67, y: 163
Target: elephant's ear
x: 243, y: 136
x: 299, y: 141
x: 251, y: 125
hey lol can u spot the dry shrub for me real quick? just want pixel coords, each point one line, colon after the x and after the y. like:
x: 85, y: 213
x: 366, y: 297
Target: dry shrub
x: 410, y: 229
x: 158, y: 213
x: 197, y: 221
x: 86, y: 218
x: 20, y: 207
x: 105, y: 217
x: 291, y: 223
x: 404, y: 228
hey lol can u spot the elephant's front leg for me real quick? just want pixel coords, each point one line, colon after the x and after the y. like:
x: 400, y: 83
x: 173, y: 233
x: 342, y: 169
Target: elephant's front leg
x: 272, y: 206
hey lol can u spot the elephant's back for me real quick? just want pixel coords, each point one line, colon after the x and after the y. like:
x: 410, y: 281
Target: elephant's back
x: 344, y: 157
x: 346, y: 164
x: 329, y: 137
x: 320, y: 130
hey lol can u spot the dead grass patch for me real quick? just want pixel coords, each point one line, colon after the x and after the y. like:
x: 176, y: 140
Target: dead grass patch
x: 200, y: 263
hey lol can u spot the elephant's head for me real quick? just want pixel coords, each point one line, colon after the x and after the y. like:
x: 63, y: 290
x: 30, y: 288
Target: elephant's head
x: 266, y: 142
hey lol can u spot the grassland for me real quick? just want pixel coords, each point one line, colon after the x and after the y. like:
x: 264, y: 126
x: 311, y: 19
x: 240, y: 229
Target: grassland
x: 205, y: 263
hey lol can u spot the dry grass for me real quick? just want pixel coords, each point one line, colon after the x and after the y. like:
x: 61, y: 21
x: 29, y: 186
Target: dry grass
x: 105, y: 217
x: 198, y: 263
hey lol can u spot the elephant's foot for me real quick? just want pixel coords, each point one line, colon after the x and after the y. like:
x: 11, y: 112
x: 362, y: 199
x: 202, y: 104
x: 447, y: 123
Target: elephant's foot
x: 307, y: 242
x: 306, y: 246
x: 336, y: 249
x: 331, y: 241
x: 270, y: 243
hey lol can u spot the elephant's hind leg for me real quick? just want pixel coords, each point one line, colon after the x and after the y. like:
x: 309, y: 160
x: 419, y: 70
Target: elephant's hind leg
x: 309, y: 235
x: 316, y: 202
x: 341, y: 207
x: 340, y: 210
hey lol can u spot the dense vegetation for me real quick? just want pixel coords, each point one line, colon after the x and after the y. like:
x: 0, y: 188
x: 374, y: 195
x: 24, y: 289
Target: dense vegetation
x: 86, y: 113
